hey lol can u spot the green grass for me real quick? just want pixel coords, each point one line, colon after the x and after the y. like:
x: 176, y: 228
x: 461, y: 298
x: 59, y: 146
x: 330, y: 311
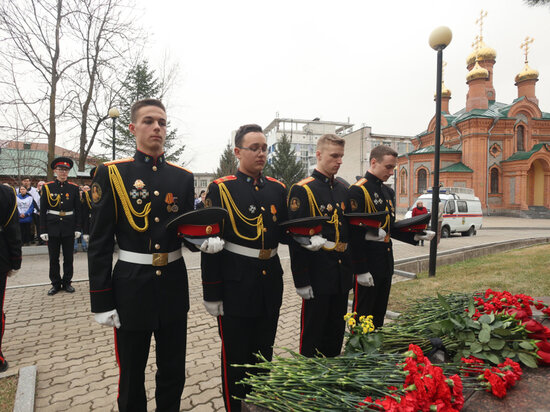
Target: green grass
x: 517, y: 271
x: 8, y: 387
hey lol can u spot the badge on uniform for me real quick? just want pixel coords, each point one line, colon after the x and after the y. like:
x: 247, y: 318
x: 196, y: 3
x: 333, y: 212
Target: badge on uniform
x: 139, y: 192
x: 329, y: 207
x: 252, y: 209
x: 67, y: 196
x: 170, y: 201
x: 274, y: 212
x: 96, y: 192
x: 294, y: 204
x: 343, y: 206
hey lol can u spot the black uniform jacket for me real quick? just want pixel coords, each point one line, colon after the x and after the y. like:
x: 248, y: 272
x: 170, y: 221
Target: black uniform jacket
x: 86, y: 208
x: 327, y: 271
x: 372, y: 191
x: 248, y: 286
x: 143, y: 295
x: 10, y: 234
x: 60, y: 197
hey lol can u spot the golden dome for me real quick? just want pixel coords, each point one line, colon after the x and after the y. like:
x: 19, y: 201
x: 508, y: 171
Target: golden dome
x: 483, y: 52
x: 527, y: 74
x: 444, y: 91
x: 477, y: 72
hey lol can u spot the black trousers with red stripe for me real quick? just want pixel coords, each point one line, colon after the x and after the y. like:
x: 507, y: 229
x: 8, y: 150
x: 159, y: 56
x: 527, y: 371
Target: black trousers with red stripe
x: 241, y: 339
x: 132, y: 352
x: 373, y: 300
x: 3, y: 278
x: 55, y: 244
x: 322, y: 325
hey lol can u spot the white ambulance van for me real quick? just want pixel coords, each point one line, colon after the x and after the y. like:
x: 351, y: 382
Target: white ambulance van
x: 460, y: 208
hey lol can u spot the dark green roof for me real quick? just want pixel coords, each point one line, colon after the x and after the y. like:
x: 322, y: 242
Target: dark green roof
x: 27, y: 162
x: 527, y: 155
x: 457, y: 168
x: 431, y: 149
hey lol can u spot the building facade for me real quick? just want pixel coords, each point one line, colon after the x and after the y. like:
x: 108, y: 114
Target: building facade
x: 303, y: 135
x: 202, y: 180
x: 501, y: 150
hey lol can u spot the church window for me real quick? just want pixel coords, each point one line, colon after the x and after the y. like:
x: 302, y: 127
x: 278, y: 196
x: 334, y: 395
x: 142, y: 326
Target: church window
x: 520, y: 139
x: 422, y: 181
x: 403, y: 182
x: 494, y: 180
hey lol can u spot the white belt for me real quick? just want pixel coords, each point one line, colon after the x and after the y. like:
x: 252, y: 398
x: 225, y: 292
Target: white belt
x: 155, y: 259
x: 338, y: 247
x: 60, y: 212
x: 262, y: 254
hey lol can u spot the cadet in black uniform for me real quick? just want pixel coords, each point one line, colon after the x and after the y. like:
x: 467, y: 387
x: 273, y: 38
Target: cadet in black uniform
x: 373, y: 254
x: 10, y: 252
x: 147, y: 291
x: 243, y: 285
x: 323, y: 274
x: 60, y: 223
x: 86, y: 212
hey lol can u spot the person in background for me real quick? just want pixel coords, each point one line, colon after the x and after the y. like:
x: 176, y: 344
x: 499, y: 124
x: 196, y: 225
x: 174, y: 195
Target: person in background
x: 10, y: 252
x: 25, y: 209
x: 202, y: 197
x: 417, y: 211
x: 34, y: 228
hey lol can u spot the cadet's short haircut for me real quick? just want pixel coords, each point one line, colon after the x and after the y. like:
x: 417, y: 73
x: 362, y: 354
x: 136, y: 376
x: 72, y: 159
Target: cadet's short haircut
x: 142, y: 103
x: 379, y: 152
x: 247, y: 128
x: 330, y: 138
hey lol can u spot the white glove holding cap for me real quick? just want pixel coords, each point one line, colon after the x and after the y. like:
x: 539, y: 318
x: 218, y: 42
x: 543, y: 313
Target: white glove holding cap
x: 365, y: 279
x: 77, y: 234
x: 44, y: 237
x: 305, y: 293
x: 214, y: 308
x: 212, y: 245
x: 317, y: 242
x: 428, y: 235
x: 378, y: 237
x: 109, y: 318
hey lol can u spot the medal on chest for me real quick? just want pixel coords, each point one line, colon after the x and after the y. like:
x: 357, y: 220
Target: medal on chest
x: 139, y: 193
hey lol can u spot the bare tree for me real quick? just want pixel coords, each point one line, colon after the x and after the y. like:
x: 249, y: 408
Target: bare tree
x: 33, y: 34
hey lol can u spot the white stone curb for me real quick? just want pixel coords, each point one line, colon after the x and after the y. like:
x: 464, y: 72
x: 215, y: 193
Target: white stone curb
x: 26, y: 386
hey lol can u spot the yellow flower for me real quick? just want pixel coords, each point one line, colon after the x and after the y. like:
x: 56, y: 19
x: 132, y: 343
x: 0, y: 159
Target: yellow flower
x: 351, y: 322
x: 362, y: 319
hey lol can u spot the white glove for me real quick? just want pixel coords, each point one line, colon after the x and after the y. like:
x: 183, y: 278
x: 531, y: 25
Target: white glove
x: 317, y: 242
x: 214, y: 308
x: 379, y: 237
x: 13, y: 272
x: 212, y: 245
x: 44, y: 237
x: 77, y: 234
x: 365, y: 279
x: 109, y: 318
x: 428, y: 235
x: 86, y: 238
x: 305, y: 293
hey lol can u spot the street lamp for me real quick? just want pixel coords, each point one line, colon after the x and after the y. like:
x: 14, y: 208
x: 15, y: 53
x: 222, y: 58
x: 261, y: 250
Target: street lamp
x: 113, y: 114
x: 439, y: 39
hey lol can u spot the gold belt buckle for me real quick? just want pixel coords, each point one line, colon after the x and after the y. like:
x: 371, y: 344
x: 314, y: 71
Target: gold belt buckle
x: 264, y: 254
x: 61, y: 213
x: 160, y: 259
x: 341, y: 247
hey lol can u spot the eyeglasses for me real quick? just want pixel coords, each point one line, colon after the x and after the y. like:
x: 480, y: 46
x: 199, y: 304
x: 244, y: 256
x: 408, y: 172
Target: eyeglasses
x: 255, y: 149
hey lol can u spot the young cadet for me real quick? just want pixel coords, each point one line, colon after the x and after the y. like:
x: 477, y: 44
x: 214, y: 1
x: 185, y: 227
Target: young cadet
x: 147, y: 290
x: 60, y: 223
x: 10, y: 252
x: 372, y: 253
x: 322, y: 271
x: 243, y: 285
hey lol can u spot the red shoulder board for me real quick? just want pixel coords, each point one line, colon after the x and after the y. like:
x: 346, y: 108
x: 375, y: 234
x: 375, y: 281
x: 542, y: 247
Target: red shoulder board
x: 360, y: 182
x: 74, y: 184
x: 47, y: 183
x: 225, y: 179
x: 272, y: 179
x: 305, y: 181
x: 179, y: 167
x: 114, y: 162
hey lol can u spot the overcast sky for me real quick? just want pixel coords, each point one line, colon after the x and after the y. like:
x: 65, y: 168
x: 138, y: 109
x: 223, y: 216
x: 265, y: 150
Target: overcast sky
x: 369, y: 62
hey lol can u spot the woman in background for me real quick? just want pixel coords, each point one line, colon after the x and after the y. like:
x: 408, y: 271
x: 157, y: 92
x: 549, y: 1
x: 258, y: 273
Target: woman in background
x: 25, y: 209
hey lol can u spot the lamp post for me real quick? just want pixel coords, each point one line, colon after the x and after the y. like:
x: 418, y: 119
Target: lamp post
x: 113, y: 114
x: 439, y: 39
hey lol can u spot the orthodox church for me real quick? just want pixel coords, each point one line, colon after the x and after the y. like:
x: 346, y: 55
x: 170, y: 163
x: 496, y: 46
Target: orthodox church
x: 501, y: 150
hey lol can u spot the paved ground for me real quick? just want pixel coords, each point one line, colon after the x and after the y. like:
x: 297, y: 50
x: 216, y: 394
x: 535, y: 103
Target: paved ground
x: 75, y: 356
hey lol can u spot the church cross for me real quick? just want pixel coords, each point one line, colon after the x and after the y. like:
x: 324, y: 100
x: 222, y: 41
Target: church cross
x: 479, y: 21
x: 525, y: 46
